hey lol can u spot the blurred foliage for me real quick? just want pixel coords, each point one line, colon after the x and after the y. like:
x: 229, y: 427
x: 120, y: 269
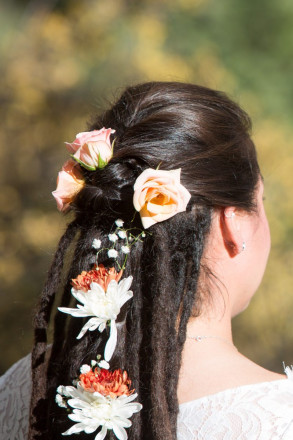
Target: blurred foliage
x: 61, y: 61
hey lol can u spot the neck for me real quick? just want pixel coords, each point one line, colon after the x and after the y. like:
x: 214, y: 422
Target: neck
x: 204, y: 363
x: 198, y: 354
x: 205, y: 326
x: 203, y: 360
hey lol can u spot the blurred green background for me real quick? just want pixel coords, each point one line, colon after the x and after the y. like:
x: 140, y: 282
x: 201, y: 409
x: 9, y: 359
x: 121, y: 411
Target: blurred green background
x: 62, y: 60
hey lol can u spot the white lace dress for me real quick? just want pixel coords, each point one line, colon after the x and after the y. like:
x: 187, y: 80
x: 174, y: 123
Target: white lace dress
x: 262, y: 411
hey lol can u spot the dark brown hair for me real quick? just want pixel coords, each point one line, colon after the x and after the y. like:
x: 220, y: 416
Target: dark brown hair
x: 175, y: 125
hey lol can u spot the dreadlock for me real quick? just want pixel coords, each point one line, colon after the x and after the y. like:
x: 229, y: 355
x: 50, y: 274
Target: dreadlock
x: 173, y: 125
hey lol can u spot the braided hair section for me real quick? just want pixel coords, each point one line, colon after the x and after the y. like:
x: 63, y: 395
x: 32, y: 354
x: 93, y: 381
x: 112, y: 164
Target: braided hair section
x: 40, y: 328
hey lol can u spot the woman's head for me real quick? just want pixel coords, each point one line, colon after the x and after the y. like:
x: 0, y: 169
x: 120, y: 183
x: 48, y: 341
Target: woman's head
x: 174, y: 125
x: 166, y: 126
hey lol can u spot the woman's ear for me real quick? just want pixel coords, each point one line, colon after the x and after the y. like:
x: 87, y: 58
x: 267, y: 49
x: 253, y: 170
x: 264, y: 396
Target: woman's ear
x: 231, y: 222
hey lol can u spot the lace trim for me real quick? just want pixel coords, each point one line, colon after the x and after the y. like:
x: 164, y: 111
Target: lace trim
x: 234, y: 389
x: 262, y: 411
x: 15, y: 394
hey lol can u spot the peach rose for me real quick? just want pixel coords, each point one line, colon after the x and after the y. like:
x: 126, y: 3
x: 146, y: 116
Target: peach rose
x: 69, y: 183
x: 92, y: 149
x: 158, y: 195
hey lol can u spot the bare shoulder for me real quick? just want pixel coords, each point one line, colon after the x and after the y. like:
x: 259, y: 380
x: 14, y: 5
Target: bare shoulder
x: 252, y: 373
x: 211, y: 376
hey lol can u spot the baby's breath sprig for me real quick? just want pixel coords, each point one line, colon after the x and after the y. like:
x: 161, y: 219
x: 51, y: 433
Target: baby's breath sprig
x: 115, y: 237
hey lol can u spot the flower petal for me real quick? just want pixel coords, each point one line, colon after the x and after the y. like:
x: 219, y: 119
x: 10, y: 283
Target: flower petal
x: 104, y: 364
x: 119, y: 292
x: 125, y: 283
x: 112, y: 341
x: 102, y: 326
x: 91, y: 428
x: 75, y: 429
x: 121, y: 420
x: 102, y: 434
x: 69, y: 183
x: 147, y: 219
x: 79, y: 313
x: 76, y: 417
x: 129, y: 409
x: 127, y: 399
x: 77, y: 404
x: 119, y: 432
x: 79, y: 295
x: 91, y: 325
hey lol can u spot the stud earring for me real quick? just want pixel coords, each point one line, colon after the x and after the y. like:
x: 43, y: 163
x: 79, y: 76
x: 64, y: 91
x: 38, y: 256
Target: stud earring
x: 243, y: 246
x: 229, y: 216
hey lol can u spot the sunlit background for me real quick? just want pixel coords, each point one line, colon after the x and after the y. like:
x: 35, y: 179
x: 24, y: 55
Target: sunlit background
x: 63, y: 60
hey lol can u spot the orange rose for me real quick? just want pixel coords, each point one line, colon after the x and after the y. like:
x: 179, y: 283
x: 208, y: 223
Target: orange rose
x: 158, y: 195
x: 69, y: 183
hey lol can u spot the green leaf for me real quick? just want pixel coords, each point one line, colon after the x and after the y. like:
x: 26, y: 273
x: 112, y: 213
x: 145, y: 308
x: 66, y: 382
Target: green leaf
x: 84, y: 165
x: 101, y: 163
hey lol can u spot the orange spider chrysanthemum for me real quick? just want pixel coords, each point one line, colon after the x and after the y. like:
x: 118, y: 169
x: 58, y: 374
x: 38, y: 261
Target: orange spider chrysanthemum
x: 108, y: 383
x: 99, y: 275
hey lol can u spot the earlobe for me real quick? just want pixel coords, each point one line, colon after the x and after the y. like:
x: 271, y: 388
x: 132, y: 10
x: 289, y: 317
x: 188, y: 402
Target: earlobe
x: 231, y: 232
x: 229, y: 215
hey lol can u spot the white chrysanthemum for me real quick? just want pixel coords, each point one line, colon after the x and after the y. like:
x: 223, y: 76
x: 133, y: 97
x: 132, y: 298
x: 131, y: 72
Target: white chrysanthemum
x: 125, y: 249
x: 119, y: 222
x: 113, y: 237
x: 92, y: 411
x: 103, y: 307
x: 112, y: 253
x: 96, y: 243
x: 122, y: 234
